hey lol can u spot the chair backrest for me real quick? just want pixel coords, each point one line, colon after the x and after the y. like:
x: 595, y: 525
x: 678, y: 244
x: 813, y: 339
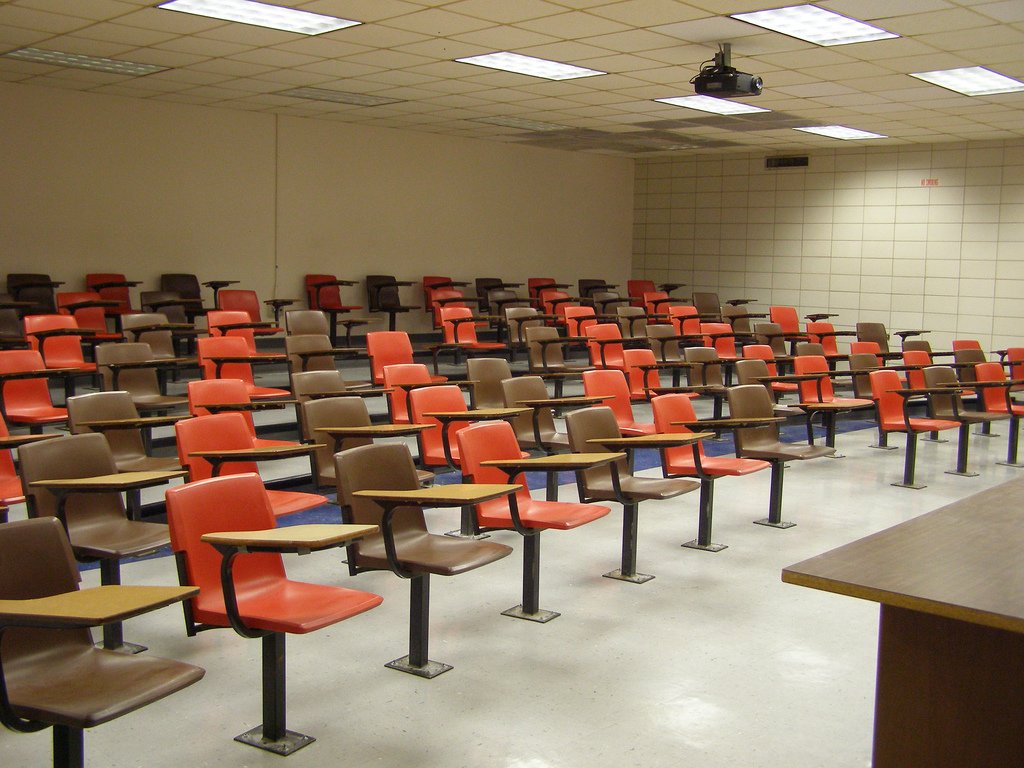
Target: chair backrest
x: 332, y: 412
x: 587, y: 286
x: 994, y: 399
x: 750, y: 401
x: 639, y: 379
x: 484, y: 285
x: 819, y: 390
x: 174, y: 313
x: 786, y: 318
x: 1015, y: 356
x: 309, y: 342
x: 554, y: 301
x: 216, y: 392
x: 376, y: 467
x: 230, y: 503
x: 442, y: 398
x: 632, y: 322
x: 125, y: 444
x: 750, y: 369
x: 84, y: 455
x: 959, y: 344
x: 762, y: 352
x: 637, y: 289
x: 34, y: 287
x: 432, y: 283
x: 768, y: 335
x: 305, y: 385
x: 890, y: 405
x: 488, y: 373
x: 326, y: 297
x: 20, y: 394
x: 118, y: 293
x: 445, y: 297
x: 91, y: 318
x: 457, y: 333
x: 822, y: 333
x: 578, y: 319
x: 654, y: 302
x: 519, y: 319
x: 942, y: 406
x: 708, y: 305
x: 216, y: 432
x: 709, y: 373
x: 971, y: 356
x: 303, y: 321
x: 917, y: 345
x: 10, y: 482
x: 720, y: 336
x: 215, y: 318
x: 387, y: 348
x: 518, y: 388
x: 58, y: 351
x: 685, y: 319
x: 862, y: 384
x: 490, y: 441
x: 738, y: 318
x: 137, y: 381
x: 398, y: 398
x: 232, y: 299
x: 226, y: 346
x: 604, y: 355
x: 160, y: 342
x: 868, y: 347
x: 915, y: 377
x: 541, y: 355
x: 184, y: 284
x: 38, y: 562
x: 613, y: 386
x: 672, y: 408
x: 665, y: 349
x: 874, y: 332
x: 534, y: 285
x: 594, y: 424
x: 382, y: 293
x: 809, y: 348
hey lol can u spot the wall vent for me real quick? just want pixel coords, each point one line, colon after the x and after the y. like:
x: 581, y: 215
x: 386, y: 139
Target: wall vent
x: 786, y: 162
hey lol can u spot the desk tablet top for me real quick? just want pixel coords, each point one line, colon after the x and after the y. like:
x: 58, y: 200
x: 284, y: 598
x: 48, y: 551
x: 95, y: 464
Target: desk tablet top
x: 316, y: 536
x: 91, y: 607
x: 557, y: 461
x: 961, y: 561
x: 119, y: 481
x: 438, y: 495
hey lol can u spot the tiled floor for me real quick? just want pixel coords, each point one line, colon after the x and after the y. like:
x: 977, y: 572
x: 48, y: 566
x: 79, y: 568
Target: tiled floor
x: 714, y: 663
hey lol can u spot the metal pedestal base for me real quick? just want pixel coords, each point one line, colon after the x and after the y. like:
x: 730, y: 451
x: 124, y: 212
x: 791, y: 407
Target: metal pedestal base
x: 705, y: 547
x: 1016, y: 464
x: 961, y: 474
x: 911, y: 486
x: 884, y: 447
x: 129, y: 649
x: 934, y: 440
x: 539, y: 616
x: 636, y: 578
x: 428, y: 670
x: 780, y: 524
x: 286, y: 745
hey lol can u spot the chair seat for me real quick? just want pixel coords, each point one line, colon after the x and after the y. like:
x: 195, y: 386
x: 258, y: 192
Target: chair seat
x: 787, y: 452
x: 92, y: 686
x: 981, y: 417
x: 535, y: 513
x: 36, y: 414
x: 283, y: 605
x: 642, y: 488
x: 146, y: 463
x: 716, y: 466
x: 289, y: 502
x: 11, y: 491
x: 265, y: 393
x: 423, y: 552
x: 920, y: 425
x: 549, y: 438
x: 438, y: 379
x: 484, y: 345
x: 106, y: 538
x: 637, y: 428
x: 784, y: 386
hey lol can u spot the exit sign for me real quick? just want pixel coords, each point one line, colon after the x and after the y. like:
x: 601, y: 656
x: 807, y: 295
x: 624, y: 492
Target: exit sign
x: 929, y: 182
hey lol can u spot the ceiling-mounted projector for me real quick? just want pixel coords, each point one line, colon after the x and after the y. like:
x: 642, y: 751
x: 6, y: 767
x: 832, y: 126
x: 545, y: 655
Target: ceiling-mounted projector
x: 719, y: 78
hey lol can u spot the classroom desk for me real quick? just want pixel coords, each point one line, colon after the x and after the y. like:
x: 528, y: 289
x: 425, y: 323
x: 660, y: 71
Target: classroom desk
x: 951, y: 630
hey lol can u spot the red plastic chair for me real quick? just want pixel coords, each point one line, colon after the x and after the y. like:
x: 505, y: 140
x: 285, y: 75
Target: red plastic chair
x: 112, y: 286
x: 398, y: 398
x: 460, y: 328
x: 999, y: 400
x: 57, y: 351
x: 825, y: 334
x: 254, y: 596
x: 612, y: 386
x: 88, y: 318
x: 605, y: 346
x: 525, y: 515
x: 390, y: 348
x: 554, y: 301
x: 640, y: 381
x: 786, y: 317
x: 893, y: 416
x: 232, y: 346
x: 228, y: 432
x: 959, y: 344
x: 441, y: 298
x: 27, y: 401
x: 637, y: 291
x: 915, y: 376
x: 690, y: 461
x: 765, y: 352
x: 821, y: 390
x: 234, y: 300
x: 225, y: 392
x: 535, y: 285
x: 11, y: 491
x: 721, y: 338
x: 684, y: 319
x: 434, y: 450
x: 578, y: 319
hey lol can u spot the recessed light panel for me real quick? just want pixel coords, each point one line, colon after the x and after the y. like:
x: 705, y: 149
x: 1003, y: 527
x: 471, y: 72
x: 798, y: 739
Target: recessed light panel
x: 711, y: 104
x: 971, y: 81
x: 261, y: 15
x: 81, y: 61
x: 815, y: 25
x: 521, y: 123
x: 841, y: 132
x: 340, y: 97
x: 529, y: 65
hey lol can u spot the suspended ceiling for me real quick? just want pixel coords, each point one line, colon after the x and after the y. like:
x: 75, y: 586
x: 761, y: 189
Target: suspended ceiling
x: 650, y: 48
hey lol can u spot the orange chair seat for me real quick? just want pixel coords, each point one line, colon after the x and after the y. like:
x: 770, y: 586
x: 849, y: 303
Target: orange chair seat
x: 716, y: 466
x: 637, y: 428
x: 784, y: 386
x: 266, y: 392
x: 290, y: 502
x: 36, y: 414
x: 919, y: 425
x: 535, y: 513
x: 11, y: 491
x: 287, y: 606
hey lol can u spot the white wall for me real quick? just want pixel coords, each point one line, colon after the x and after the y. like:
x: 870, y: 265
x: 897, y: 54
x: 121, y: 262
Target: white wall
x: 858, y: 232
x: 101, y: 183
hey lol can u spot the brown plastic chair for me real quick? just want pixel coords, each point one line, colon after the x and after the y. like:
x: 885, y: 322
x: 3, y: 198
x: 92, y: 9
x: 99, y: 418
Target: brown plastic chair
x: 546, y: 352
x: 299, y: 349
x: 97, y: 523
x: 382, y: 296
x: 709, y: 306
x: 875, y: 332
x: 537, y: 428
x: 302, y: 321
x: 404, y: 545
x: 861, y: 383
x: 752, y: 402
x: 35, y: 287
x: 142, y: 384
x: 950, y: 407
x: 772, y: 335
x: 51, y: 675
x: 518, y: 319
x: 632, y: 322
x: 160, y: 302
x: 161, y: 342
x: 614, y: 482
x: 488, y: 373
x: 127, y: 445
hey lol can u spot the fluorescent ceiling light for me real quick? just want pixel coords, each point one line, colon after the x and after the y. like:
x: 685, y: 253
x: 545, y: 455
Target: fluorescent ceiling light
x: 711, y: 104
x: 841, y: 132
x: 341, y: 97
x: 971, y: 81
x: 529, y: 65
x: 815, y: 25
x: 261, y: 15
x: 521, y: 123
x: 80, y: 61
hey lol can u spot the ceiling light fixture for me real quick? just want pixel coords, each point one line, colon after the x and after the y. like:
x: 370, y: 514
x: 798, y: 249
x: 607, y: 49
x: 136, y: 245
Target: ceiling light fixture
x: 261, y: 15
x: 339, y: 97
x: 815, y: 25
x: 529, y: 65
x: 711, y: 104
x: 971, y: 81
x: 841, y: 132
x: 81, y: 61
x: 521, y: 123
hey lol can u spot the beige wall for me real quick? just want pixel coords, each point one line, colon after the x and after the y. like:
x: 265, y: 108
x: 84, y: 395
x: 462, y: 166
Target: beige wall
x: 100, y: 183
x: 854, y: 233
